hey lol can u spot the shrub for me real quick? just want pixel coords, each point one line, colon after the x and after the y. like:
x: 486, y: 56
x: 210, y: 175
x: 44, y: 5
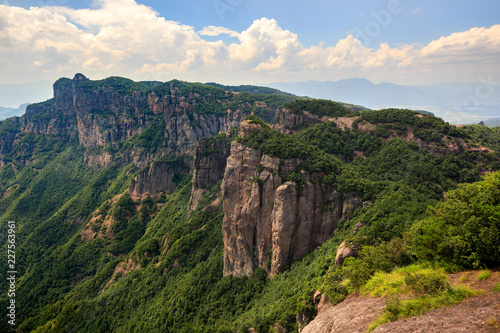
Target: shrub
x: 427, y: 282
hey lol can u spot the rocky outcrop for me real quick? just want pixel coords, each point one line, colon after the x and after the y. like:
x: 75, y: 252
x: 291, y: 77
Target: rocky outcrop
x: 158, y: 178
x: 209, y: 166
x: 348, y: 249
x: 342, y: 317
x: 287, y: 121
x: 106, y: 113
x: 269, y: 222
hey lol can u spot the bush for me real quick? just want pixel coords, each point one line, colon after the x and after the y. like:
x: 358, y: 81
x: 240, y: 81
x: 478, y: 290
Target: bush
x: 382, y: 258
x: 427, y: 282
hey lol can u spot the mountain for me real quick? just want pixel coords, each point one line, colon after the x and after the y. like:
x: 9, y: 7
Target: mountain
x: 12, y: 112
x: 188, y: 207
x: 494, y: 122
x: 454, y: 101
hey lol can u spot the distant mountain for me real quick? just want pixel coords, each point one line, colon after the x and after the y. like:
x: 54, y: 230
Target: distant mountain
x: 12, y: 112
x: 454, y: 101
x: 492, y: 122
x: 361, y: 91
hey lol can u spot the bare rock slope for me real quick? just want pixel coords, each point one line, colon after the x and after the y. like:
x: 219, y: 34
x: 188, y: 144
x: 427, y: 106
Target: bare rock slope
x: 268, y: 221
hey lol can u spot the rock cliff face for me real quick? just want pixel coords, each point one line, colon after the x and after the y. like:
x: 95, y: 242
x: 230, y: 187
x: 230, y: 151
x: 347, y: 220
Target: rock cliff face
x: 209, y: 166
x: 157, y: 178
x: 287, y: 121
x: 111, y: 111
x: 269, y: 222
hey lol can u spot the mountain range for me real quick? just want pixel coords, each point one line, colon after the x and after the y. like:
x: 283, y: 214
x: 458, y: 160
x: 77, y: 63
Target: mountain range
x: 188, y: 207
x: 455, y: 102
x: 12, y: 112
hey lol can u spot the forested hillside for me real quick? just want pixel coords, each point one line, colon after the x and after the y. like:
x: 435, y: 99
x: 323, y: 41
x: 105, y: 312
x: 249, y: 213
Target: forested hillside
x: 183, y: 207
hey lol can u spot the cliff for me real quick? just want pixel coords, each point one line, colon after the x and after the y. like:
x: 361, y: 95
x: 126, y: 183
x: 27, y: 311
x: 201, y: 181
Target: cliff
x: 268, y: 221
x: 209, y: 165
x: 103, y: 114
x: 159, y: 177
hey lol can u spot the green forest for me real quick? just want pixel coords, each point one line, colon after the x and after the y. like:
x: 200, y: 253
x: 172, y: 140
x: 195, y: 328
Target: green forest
x: 158, y: 267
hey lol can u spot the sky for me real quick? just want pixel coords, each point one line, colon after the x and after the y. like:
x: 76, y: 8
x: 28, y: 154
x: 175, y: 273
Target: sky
x: 251, y: 42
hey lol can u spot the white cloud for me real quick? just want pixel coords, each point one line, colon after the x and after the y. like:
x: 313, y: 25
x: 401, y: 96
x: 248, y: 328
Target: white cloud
x: 217, y: 31
x: 121, y: 37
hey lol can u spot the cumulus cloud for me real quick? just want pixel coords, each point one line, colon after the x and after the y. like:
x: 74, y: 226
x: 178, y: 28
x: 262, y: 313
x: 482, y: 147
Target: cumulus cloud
x: 122, y: 37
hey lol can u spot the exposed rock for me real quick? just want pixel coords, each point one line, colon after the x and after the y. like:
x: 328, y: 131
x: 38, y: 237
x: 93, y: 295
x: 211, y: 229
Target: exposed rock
x: 353, y: 315
x: 346, y: 251
x: 320, y: 300
x: 123, y: 268
x: 104, y: 116
x: 157, y: 178
x: 288, y: 121
x: 209, y: 166
x: 344, y: 122
x: 247, y: 127
x: 196, y: 194
x: 267, y: 222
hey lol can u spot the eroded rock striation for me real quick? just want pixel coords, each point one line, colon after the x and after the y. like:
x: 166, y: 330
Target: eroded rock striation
x: 158, y: 178
x: 268, y: 221
x: 103, y: 114
x: 209, y: 165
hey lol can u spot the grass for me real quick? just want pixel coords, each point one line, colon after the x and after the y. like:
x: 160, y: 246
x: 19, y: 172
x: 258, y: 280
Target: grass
x: 399, y: 309
x: 497, y: 287
x: 492, y: 323
x: 427, y: 288
x: 484, y: 275
x: 463, y: 278
x: 387, y: 284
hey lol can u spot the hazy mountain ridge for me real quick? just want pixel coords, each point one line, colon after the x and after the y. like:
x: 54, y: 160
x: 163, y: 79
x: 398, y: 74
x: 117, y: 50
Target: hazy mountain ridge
x: 12, y: 112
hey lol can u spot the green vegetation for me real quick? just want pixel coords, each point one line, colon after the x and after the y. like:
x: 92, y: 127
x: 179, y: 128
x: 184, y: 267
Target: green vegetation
x: 485, y: 136
x: 250, y: 89
x: 463, y: 278
x: 320, y: 108
x: 93, y: 259
x: 117, y: 84
x: 463, y: 230
x: 397, y: 122
x: 483, y: 275
x: 398, y: 309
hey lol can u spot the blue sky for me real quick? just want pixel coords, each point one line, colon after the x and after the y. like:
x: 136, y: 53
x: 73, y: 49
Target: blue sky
x: 243, y: 41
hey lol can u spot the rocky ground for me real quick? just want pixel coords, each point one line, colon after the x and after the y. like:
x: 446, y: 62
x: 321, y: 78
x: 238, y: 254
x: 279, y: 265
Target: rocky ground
x: 476, y: 314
